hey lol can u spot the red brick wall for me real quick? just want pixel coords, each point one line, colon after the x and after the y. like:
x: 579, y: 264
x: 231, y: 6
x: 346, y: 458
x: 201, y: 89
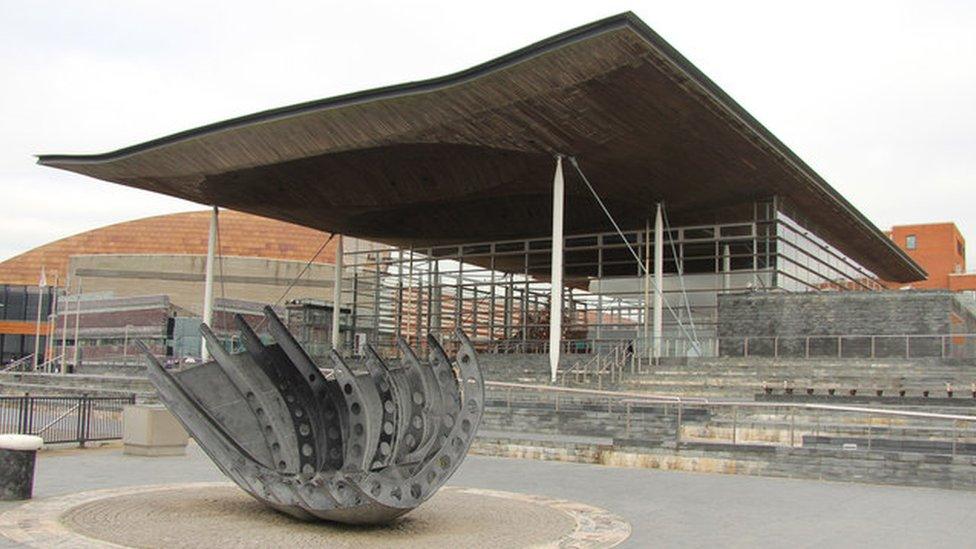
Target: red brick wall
x: 939, y: 249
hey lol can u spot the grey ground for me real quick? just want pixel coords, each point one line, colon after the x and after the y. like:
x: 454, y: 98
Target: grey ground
x: 665, y: 509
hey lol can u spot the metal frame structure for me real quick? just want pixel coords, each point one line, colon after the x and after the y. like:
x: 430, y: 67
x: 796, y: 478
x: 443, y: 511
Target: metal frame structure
x: 500, y: 292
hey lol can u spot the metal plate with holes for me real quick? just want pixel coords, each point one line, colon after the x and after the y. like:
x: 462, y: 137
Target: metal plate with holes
x: 353, y: 447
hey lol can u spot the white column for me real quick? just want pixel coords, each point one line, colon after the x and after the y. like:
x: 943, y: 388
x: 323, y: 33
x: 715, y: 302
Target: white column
x: 556, y: 277
x: 726, y: 268
x: 208, y: 282
x: 77, y: 325
x: 649, y: 348
x: 37, y: 326
x: 64, y: 326
x: 337, y: 294
x: 658, y: 281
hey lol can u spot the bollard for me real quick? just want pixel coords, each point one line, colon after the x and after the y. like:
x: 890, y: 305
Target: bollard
x: 18, y: 454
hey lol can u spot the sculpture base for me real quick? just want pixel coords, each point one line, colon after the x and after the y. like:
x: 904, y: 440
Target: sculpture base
x: 220, y: 514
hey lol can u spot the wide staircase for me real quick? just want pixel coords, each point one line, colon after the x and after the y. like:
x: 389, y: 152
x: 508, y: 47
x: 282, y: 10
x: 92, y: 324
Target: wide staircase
x: 744, y: 378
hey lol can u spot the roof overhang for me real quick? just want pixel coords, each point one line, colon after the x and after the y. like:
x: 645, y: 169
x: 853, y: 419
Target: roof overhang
x: 469, y: 156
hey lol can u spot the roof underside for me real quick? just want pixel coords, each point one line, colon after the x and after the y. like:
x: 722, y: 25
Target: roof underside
x: 469, y: 157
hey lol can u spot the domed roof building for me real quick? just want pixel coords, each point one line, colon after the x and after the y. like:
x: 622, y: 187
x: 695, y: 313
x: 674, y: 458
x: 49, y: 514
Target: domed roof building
x: 140, y: 275
x: 241, y: 235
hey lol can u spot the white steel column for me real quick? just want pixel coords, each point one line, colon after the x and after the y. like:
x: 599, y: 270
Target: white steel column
x: 208, y: 282
x: 649, y: 348
x: 556, y: 276
x: 337, y: 294
x: 37, y: 325
x: 658, y: 280
x: 77, y: 350
x: 64, y: 326
x: 726, y: 268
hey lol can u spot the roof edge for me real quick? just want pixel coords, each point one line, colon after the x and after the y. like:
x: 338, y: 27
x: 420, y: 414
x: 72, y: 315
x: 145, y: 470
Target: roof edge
x: 625, y: 19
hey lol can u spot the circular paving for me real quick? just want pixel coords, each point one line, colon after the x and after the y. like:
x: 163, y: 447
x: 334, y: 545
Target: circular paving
x: 221, y: 515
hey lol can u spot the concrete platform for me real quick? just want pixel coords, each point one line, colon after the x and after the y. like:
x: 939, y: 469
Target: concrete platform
x: 221, y: 515
x: 664, y: 509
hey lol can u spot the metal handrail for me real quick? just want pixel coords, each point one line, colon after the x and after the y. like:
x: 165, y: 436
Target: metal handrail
x: 42, y: 366
x: 633, y: 398
x: 17, y: 363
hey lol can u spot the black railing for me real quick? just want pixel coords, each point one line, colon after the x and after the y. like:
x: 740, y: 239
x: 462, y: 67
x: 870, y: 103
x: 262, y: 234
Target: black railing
x: 60, y: 419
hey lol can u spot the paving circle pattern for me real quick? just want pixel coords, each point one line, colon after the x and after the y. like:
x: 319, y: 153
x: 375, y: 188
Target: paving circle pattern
x: 221, y: 515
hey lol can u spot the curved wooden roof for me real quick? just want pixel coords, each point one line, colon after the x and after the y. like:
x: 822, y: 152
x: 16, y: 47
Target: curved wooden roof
x: 469, y: 156
x: 241, y: 234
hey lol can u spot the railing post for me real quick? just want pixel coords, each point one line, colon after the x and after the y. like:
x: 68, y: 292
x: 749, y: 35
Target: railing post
x: 745, y: 347
x: 22, y: 411
x: 807, y: 352
x: 776, y: 347
x: 735, y: 424
x: 677, y: 429
x: 840, y: 346
x: 627, y: 424
x: 872, y: 346
x: 955, y: 436
x: 29, y: 420
x: 792, y: 426
x: 907, y: 352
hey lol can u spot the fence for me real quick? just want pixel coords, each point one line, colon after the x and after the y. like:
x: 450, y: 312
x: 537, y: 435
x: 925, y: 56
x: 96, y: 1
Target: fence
x: 61, y: 419
x: 891, y: 346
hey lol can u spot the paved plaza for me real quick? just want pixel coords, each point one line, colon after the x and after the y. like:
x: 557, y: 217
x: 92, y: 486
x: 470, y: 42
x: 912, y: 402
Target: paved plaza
x: 664, y: 509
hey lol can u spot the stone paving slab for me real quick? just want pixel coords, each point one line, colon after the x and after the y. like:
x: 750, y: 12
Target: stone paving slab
x: 664, y: 508
x: 203, y: 515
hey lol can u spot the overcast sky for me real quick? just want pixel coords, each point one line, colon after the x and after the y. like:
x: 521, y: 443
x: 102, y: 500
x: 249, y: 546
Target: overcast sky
x: 878, y: 97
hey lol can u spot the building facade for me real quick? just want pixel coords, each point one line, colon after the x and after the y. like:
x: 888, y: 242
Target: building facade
x: 260, y: 261
x: 941, y: 250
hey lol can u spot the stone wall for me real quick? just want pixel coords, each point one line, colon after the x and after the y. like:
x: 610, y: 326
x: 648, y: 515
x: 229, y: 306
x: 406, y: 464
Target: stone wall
x: 813, y: 319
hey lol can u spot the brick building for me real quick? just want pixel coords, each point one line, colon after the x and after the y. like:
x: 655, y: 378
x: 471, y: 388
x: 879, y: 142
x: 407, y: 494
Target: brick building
x: 941, y: 250
x: 160, y: 259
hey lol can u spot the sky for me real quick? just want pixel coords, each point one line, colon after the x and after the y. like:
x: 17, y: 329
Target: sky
x: 878, y: 97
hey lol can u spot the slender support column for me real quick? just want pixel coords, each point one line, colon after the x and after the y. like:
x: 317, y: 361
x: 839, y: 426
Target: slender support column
x: 436, y: 300
x: 509, y: 302
x: 647, y: 291
x: 208, y: 282
x: 37, y: 324
x: 556, y: 277
x: 64, y: 326
x: 658, y: 280
x: 77, y: 325
x: 726, y: 268
x: 337, y: 294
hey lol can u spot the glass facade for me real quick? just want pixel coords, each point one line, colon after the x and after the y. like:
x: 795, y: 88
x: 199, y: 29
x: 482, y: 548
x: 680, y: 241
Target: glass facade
x: 498, y: 292
x: 18, y: 311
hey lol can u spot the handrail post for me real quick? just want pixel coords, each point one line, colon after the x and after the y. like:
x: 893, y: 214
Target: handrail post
x: 792, y: 426
x: 735, y: 424
x: 907, y: 353
x: 872, y: 346
x: 22, y: 420
x: 776, y: 347
x: 29, y: 420
x: 807, y: 352
x: 677, y: 429
x: 955, y: 436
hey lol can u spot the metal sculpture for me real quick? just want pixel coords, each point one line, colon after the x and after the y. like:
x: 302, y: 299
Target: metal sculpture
x: 358, y: 447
